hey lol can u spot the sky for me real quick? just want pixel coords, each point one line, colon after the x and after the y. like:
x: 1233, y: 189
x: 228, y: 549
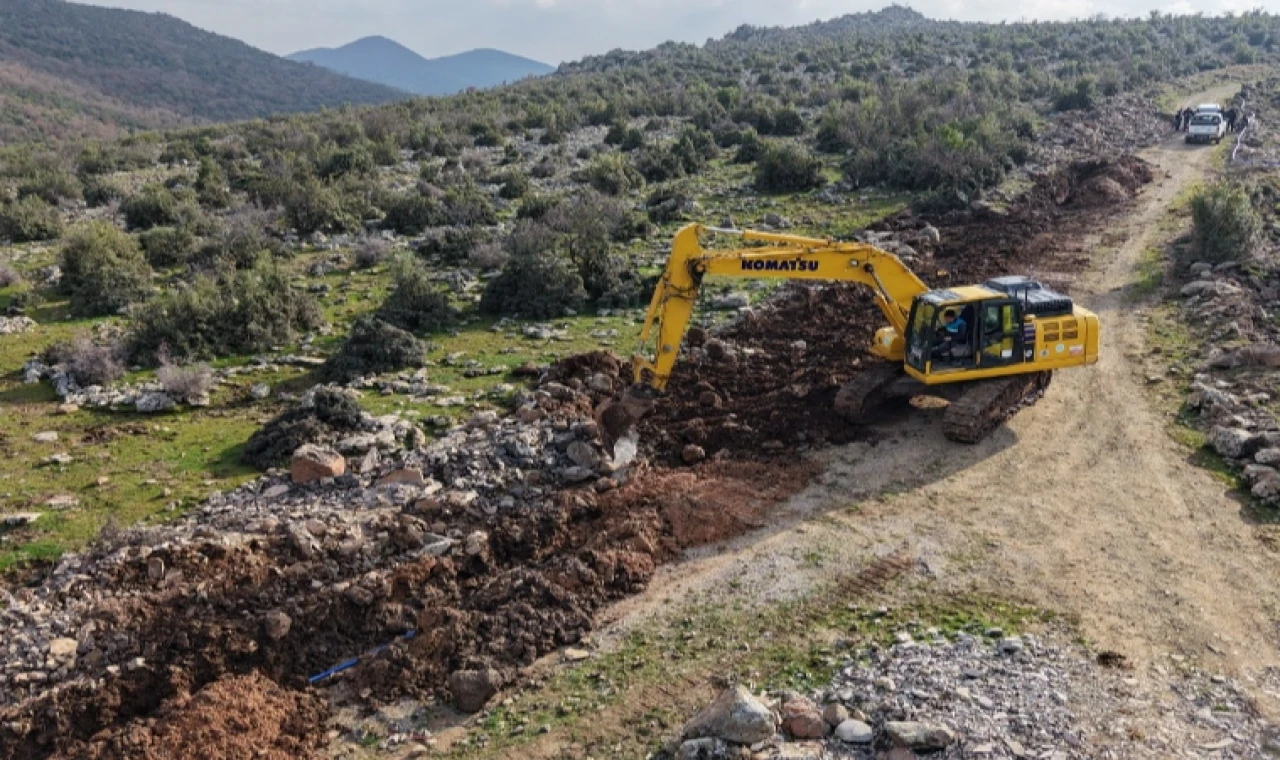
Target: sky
x: 555, y: 31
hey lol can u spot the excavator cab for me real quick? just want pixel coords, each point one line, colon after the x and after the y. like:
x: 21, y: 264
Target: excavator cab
x: 990, y: 335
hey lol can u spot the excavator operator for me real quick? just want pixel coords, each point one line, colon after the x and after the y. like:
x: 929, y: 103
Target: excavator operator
x: 955, y: 336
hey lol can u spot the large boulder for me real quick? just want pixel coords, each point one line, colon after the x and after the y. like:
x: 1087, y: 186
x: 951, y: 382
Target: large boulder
x: 472, y: 689
x: 150, y: 403
x: 735, y: 716
x: 1234, y: 443
x: 311, y: 463
x: 802, y: 719
x: 855, y: 732
x: 913, y: 735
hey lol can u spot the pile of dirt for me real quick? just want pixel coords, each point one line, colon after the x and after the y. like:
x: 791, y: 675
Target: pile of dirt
x: 230, y: 719
x: 767, y: 382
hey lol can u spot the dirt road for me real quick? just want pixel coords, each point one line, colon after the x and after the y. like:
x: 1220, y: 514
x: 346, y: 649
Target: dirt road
x: 1082, y: 504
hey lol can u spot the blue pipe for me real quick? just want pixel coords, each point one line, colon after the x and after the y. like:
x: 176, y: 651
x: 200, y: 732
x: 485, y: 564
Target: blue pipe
x: 354, y: 661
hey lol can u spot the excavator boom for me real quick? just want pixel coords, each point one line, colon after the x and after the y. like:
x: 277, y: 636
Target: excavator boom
x: 778, y: 256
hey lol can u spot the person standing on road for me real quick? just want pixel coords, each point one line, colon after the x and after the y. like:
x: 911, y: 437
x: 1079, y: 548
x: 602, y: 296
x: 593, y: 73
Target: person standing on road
x: 1177, y: 121
x: 1232, y: 115
x: 1187, y: 113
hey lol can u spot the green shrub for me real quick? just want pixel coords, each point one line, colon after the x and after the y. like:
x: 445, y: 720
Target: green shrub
x: 514, y: 185
x: 787, y: 122
x: 452, y: 244
x: 468, y: 206
x: 1080, y: 96
x: 167, y: 246
x: 231, y: 312
x: 211, y: 185
x: 536, y: 286
x: 1225, y: 226
x: 372, y: 348
x: 100, y: 191
x: 51, y: 186
x: 321, y: 416
x: 239, y: 240
x: 537, y: 206
x: 350, y: 161
x: 29, y: 219
x: 154, y: 206
x: 612, y: 174
x: 411, y: 213
x: 370, y: 252
x: 314, y: 207
x: 659, y: 163
x: 416, y: 303
x: 787, y: 167
x: 103, y: 270
x: 750, y: 147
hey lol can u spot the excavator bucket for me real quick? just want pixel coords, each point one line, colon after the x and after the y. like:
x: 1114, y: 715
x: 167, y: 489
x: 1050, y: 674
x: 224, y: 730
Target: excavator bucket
x: 619, y: 417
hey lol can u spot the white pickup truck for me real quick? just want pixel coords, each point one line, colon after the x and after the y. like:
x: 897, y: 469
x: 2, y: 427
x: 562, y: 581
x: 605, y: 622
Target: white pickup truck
x: 1207, y: 126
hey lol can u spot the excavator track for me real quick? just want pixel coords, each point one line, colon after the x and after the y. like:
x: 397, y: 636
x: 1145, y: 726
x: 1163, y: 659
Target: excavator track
x: 866, y: 391
x: 987, y: 403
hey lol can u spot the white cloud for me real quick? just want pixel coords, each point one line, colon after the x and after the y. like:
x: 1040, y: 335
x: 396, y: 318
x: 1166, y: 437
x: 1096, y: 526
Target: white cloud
x: 559, y: 30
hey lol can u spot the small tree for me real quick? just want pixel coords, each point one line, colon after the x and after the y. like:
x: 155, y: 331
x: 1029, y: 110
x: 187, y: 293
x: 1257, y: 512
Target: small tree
x: 1225, y: 225
x: 788, y: 167
x: 612, y: 174
x: 373, y: 347
x: 416, y: 303
x: 28, y: 220
x: 413, y: 212
x: 103, y: 270
x: 154, y: 206
x: 313, y: 207
x: 537, y: 286
x: 167, y: 246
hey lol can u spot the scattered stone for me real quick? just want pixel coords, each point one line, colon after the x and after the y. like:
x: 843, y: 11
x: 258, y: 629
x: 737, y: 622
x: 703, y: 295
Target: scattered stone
x: 276, y: 625
x: 408, y: 476
x: 693, y: 453
x: 276, y: 491
x: 62, y: 501
x: 855, y: 732
x: 835, y: 714
x: 62, y: 649
x: 47, y: 436
x: 802, y: 719
x: 735, y: 716
x: 913, y: 735
x: 151, y: 403
x: 472, y: 689
x: 576, y: 655
x: 155, y: 568
x: 260, y: 391
x: 311, y: 463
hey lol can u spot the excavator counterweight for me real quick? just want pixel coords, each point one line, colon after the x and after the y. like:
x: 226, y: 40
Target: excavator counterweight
x: 988, y: 349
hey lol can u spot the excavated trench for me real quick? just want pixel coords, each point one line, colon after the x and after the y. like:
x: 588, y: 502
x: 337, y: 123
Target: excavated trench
x: 212, y: 677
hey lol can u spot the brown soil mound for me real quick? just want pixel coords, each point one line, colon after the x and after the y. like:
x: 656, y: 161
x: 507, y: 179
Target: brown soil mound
x: 230, y: 719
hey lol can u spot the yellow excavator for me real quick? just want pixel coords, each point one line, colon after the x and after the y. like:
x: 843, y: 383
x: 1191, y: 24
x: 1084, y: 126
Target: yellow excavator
x: 987, y: 349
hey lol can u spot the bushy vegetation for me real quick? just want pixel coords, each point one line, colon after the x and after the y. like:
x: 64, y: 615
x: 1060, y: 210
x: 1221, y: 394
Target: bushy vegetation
x: 1225, y: 226
x: 536, y: 286
x: 186, y: 384
x: 230, y: 312
x: 167, y: 246
x: 373, y: 347
x: 329, y: 412
x: 28, y: 220
x: 87, y: 363
x: 787, y: 167
x: 103, y: 270
x: 416, y: 303
x: 411, y: 213
x: 154, y: 206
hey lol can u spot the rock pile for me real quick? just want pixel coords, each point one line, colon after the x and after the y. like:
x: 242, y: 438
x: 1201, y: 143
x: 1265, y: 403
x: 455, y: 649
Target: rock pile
x: 975, y: 697
x: 1120, y: 124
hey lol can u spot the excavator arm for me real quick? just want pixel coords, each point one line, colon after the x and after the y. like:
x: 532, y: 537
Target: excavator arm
x: 781, y: 257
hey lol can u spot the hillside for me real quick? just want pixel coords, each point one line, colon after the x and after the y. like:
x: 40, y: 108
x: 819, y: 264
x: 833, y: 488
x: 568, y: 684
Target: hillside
x: 378, y: 59
x: 278, y: 393
x: 74, y: 69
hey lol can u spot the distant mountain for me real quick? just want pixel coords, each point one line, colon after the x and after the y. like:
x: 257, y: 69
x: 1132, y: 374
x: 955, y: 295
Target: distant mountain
x: 378, y: 59
x: 94, y: 64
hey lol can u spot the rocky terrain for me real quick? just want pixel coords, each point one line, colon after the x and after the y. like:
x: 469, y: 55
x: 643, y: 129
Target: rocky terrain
x: 983, y: 695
